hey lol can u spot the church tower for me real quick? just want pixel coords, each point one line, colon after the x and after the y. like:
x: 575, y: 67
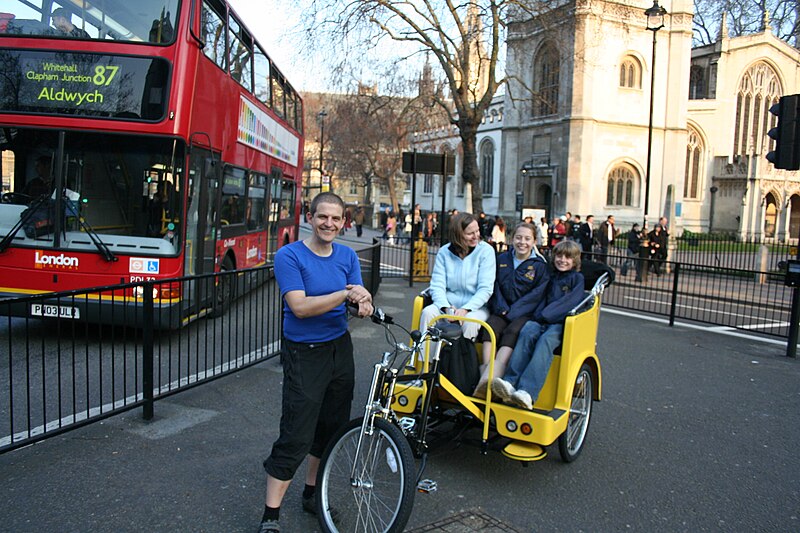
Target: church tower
x: 576, y: 132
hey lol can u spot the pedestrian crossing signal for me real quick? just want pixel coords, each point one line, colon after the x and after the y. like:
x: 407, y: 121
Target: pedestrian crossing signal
x: 786, y: 133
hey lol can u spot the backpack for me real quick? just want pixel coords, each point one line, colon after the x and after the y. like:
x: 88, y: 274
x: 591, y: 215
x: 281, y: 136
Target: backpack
x: 38, y: 219
x: 459, y: 363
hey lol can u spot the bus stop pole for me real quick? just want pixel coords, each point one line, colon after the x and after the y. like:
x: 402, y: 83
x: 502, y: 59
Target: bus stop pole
x: 794, y: 317
x: 412, y: 239
x: 442, y: 220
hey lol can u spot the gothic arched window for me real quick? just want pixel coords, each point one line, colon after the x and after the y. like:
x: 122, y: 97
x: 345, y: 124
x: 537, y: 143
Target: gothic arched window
x: 694, y: 165
x: 630, y: 73
x: 759, y: 90
x: 623, y: 184
x: 487, y: 167
x: 546, y: 70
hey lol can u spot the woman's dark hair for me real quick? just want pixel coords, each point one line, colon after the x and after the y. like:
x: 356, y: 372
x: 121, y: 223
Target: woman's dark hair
x: 459, y: 223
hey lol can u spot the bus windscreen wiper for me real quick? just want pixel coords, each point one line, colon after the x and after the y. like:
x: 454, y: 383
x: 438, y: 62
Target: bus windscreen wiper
x: 25, y: 218
x: 105, y: 251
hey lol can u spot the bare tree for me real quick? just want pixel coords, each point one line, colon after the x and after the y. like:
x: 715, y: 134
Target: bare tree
x: 368, y: 134
x: 465, y: 40
x: 743, y: 17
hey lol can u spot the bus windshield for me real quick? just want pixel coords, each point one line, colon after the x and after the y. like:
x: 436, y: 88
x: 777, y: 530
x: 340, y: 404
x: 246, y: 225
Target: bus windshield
x: 152, y: 21
x: 123, y: 190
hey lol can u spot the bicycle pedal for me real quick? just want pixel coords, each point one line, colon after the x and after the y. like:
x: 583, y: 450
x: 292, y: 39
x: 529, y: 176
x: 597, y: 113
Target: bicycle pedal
x: 427, y: 486
x: 406, y: 424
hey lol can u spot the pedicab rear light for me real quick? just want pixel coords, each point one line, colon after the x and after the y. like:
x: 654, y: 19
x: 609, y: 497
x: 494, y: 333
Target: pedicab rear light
x: 511, y: 426
x: 526, y: 429
x: 402, y: 400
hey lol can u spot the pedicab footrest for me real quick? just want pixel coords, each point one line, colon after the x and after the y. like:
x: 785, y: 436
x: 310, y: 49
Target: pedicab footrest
x: 427, y: 486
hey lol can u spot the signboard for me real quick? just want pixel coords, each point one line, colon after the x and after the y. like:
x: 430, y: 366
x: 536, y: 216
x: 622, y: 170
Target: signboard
x: 428, y: 163
x: 73, y: 83
x: 260, y: 131
x: 534, y: 213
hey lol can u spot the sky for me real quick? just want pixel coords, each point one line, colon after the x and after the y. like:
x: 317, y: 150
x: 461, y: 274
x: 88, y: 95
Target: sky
x: 276, y: 25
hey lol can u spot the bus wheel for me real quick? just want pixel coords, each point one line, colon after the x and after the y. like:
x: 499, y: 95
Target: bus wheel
x: 223, y: 288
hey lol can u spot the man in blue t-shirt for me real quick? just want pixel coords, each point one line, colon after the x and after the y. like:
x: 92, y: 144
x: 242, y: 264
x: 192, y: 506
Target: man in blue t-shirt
x: 316, y: 277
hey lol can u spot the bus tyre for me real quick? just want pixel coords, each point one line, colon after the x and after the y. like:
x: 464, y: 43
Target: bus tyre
x: 381, y: 493
x: 570, y: 443
x: 223, y: 288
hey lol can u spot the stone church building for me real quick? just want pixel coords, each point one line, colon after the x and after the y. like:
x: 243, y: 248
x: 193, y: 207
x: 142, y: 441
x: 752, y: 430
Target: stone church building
x: 580, y: 143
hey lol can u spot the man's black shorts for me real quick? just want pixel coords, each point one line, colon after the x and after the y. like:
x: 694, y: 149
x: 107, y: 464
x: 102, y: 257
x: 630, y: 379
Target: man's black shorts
x: 318, y: 382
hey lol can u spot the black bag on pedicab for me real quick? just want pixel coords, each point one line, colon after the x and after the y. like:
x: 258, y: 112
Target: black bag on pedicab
x: 459, y: 363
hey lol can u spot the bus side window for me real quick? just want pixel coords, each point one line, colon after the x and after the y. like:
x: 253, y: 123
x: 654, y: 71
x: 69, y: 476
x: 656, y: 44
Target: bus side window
x: 233, y: 206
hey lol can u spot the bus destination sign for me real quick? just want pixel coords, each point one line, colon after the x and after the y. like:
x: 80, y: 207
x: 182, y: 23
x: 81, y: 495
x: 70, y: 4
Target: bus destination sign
x: 84, y: 84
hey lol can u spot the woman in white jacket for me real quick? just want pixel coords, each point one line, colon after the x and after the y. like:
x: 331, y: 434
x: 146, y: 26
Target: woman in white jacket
x: 463, y: 276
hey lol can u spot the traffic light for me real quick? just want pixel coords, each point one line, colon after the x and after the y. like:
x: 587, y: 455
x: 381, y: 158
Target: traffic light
x: 786, y: 134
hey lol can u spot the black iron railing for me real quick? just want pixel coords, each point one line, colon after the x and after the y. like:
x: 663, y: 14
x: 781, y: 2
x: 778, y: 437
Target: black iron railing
x: 79, y: 356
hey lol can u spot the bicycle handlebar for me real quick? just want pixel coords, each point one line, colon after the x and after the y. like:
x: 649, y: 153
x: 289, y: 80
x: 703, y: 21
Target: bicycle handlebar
x: 377, y: 316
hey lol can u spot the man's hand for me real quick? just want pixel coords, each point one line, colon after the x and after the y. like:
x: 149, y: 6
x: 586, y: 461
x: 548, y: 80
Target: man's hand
x: 358, y: 294
x: 365, y: 309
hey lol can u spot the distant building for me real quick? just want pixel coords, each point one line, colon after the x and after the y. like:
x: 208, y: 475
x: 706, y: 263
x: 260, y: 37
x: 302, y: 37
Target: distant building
x: 572, y: 133
x: 580, y: 144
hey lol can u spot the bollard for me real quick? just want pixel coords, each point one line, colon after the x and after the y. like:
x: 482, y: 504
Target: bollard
x: 147, y: 350
x: 761, y: 277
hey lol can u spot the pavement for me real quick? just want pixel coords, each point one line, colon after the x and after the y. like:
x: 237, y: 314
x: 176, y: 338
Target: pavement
x: 697, y: 431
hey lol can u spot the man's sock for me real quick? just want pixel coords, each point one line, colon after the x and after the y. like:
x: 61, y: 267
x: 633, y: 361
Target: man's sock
x: 271, y: 513
x: 309, y: 491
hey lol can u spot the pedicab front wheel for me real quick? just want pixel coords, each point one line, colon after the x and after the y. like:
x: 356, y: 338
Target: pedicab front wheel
x: 570, y: 443
x: 380, y: 495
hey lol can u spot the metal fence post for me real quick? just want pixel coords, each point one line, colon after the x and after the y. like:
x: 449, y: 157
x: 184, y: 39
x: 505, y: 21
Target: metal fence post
x: 673, y: 304
x: 376, y: 266
x: 147, y: 350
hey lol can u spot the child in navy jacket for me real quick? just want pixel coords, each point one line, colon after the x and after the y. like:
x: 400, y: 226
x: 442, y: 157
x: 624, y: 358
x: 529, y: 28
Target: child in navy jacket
x: 530, y: 361
x: 519, y: 288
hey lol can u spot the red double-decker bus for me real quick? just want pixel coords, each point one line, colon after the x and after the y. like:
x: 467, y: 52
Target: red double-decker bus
x: 140, y: 141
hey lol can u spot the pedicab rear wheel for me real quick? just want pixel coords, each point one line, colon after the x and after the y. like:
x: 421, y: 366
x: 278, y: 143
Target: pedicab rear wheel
x: 571, y: 442
x: 380, y: 497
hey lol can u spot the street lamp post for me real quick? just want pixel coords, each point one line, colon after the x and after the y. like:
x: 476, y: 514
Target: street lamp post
x: 321, y: 116
x: 655, y: 21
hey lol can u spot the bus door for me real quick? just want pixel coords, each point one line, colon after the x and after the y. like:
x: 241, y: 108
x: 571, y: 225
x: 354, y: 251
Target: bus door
x: 201, y: 226
x: 274, y: 214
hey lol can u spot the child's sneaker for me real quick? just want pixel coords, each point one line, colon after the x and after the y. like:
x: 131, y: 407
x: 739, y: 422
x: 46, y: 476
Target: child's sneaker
x: 480, y: 390
x: 522, y: 399
x: 502, y: 389
x: 270, y: 526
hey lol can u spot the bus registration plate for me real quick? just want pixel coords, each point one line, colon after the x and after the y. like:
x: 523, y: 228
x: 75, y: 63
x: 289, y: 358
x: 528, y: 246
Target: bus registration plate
x: 59, y: 311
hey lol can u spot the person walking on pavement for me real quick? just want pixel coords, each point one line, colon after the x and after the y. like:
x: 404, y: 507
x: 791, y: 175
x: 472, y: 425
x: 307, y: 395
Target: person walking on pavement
x: 587, y: 235
x: 658, y: 242
x: 635, y: 238
x: 383, y: 220
x: 316, y: 352
x: 558, y: 231
x: 575, y: 233
x: 358, y: 219
x: 543, y: 234
x: 391, y: 227
x: 664, y: 223
x: 605, y: 236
